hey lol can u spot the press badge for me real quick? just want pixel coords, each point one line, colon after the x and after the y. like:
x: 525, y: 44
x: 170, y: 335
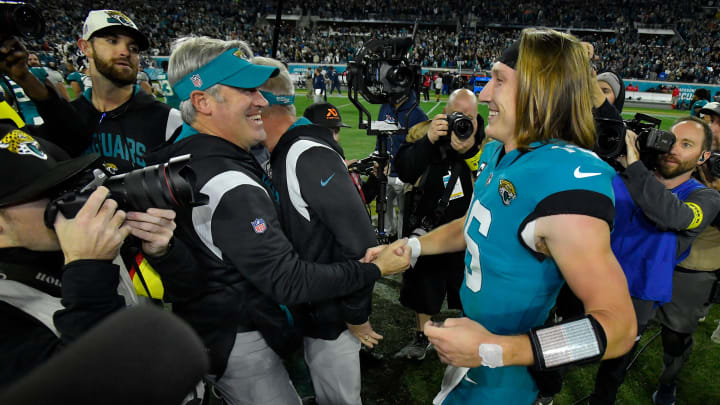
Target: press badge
x: 457, y: 191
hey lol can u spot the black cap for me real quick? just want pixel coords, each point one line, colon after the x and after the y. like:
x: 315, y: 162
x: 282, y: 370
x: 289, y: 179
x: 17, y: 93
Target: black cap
x: 33, y: 165
x: 510, y: 55
x: 324, y: 114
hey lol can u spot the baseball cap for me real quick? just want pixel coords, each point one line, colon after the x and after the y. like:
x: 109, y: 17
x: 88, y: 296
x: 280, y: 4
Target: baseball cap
x: 711, y: 108
x: 324, y: 114
x: 228, y: 68
x: 98, y: 20
x: 34, y: 165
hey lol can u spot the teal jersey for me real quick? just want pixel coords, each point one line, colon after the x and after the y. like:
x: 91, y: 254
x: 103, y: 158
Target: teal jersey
x: 509, y: 287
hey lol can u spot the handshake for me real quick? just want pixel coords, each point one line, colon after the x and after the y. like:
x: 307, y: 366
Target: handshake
x: 390, y: 259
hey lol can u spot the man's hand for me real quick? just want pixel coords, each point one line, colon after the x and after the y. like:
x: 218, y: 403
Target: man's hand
x: 154, y: 227
x: 633, y: 155
x: 390, y: 262
x: 365, y: 334
x: 458, y: 340
x: 96, y: 233
x: 14, y: 59
x: 372, y: 253
x: 438, y: 128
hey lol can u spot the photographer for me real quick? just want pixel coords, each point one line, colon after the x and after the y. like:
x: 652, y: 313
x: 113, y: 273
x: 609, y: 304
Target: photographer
x: 55, y: 284
x: 440, y: 165
x: 711, y: 114
x: 658, y: 215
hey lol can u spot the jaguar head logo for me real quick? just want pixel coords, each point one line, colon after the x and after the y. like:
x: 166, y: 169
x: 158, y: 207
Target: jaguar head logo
x: 507, y: 191
x: 20, y: 143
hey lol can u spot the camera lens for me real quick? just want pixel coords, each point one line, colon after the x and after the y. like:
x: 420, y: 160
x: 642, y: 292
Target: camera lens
x: 399, y: 76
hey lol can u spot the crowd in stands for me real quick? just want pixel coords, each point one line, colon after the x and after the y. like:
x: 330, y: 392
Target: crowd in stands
x: 692, y: 55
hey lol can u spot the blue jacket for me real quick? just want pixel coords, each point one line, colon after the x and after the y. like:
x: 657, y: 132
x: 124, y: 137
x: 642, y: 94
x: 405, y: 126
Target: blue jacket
x: 646, y: 253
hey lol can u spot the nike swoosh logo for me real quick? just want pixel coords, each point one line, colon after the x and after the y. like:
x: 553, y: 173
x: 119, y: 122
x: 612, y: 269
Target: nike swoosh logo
x: 324, y: 183
x: 582, y: 175
x: 468, y: 379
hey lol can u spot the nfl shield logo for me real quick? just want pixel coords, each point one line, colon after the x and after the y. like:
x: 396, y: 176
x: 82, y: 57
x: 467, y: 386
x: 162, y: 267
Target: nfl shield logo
x: 259, y: 225
x: 196, y: 80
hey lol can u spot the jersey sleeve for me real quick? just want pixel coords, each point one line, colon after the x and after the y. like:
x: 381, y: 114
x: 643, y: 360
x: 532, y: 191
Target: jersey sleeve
x: 574, y: 181
x: 246, y: 229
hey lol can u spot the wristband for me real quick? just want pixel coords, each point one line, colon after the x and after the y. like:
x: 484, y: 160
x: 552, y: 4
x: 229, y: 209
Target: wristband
x: 415, y: 250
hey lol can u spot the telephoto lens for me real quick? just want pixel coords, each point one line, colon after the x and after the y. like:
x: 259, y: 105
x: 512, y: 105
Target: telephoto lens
x: 20, y: 19
x: 461, y: 124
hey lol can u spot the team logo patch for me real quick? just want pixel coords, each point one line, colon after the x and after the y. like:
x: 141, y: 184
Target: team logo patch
x: 20, y: 143
x: 111, y: 168
x: 259, y: 225
x: 239, y: 54
x: 196, y: 80
x: 487, y: 183
x: 507, y: 191
x: 116, y: 17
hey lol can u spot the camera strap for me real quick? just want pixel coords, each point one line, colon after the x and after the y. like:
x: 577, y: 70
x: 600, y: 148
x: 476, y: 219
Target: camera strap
x: 444, y: 200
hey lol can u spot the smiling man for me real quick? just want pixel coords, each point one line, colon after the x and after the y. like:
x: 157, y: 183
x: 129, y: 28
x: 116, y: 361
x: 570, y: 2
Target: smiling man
x: 249, y: 265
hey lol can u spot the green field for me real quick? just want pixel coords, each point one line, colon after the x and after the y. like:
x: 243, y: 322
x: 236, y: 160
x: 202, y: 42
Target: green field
x: 402, y: 382
x: 357, y: 144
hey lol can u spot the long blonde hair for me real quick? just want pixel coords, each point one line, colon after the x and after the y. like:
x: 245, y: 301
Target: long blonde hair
x: 554, y: 89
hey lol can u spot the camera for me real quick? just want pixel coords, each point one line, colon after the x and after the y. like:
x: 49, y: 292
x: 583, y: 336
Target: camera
x: 461, y: 124
x: 382, y: 73
x: 20, y: 19
x: 165, y: 185
x: 713, y: 163
x: 364, y: 166
x: 651, y: 141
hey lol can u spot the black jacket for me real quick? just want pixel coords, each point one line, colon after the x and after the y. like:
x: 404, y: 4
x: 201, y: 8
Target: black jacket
x: 237, y: 241
x: 324, y: 218
x: 123, y: 137
x: 88, y: 294
x: 433, y: 163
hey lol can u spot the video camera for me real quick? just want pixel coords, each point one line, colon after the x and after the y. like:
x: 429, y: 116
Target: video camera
x: 165, y: 185
x: 381, y: 71
x: 651, y: 141
x: 382, y: 74
x: 20, y: 19
x: 365, y: 166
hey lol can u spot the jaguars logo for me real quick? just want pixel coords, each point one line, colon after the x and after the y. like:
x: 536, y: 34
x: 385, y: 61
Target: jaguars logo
x: 111, y: 168
x: 507, y: 191
x: 118, y: 17
x: 20, y: 143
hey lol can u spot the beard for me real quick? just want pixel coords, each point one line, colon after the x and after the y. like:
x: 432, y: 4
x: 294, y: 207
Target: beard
x: 117, y: 75
x: 681, y: 168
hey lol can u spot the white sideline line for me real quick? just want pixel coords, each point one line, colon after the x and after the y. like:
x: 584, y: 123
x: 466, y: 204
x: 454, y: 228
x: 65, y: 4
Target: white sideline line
x: 436, y: 106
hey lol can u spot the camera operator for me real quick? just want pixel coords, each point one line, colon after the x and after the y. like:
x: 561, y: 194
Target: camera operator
x: 113, y: 118
x: 249, y: 264
x: 55, y: 284
x: 397, y: 113
x: 658, y: 215
x: 695, y: 286
x: 441, y: 167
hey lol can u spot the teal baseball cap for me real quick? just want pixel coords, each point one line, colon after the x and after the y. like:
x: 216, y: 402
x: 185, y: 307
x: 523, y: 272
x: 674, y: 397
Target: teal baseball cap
x: 228, y: 68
